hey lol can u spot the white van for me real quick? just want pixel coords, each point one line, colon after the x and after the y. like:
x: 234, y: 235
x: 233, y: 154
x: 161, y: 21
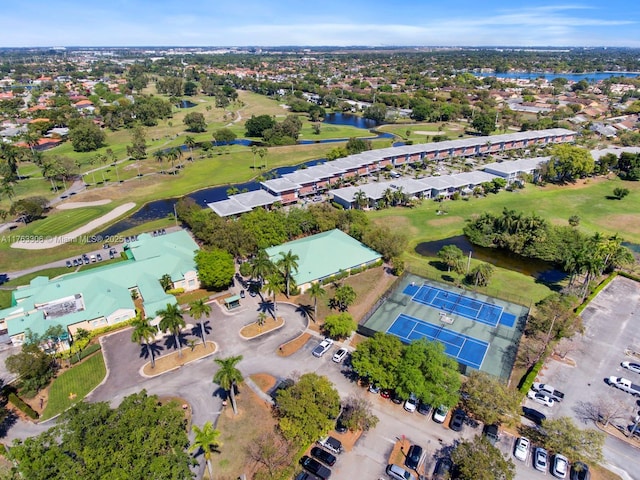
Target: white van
x: 399, y: 473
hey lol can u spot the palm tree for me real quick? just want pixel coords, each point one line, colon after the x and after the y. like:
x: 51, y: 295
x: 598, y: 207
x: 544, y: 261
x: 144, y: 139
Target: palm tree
x: 228, y: 376
x: 254, y: 150
x: 273, y: 286
x: 263, y: 154
x: 197, y: 310
x: 288, y: 263
x: 190, y: 143
x: 316, y: 291
x: 206, y: 438
x: 452, y: 257
x: 262, y: 318
x: 172, y: 320
x: 360, y: 199
x: 261, y: 266
x: 144, y: 331
x: 159, y: 156
x: 482, y: 274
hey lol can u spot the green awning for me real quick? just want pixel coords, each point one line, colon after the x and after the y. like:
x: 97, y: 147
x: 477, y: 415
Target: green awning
x: 232, y: 299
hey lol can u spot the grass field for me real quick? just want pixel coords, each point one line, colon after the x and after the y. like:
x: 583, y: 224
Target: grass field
x: 73, y: 385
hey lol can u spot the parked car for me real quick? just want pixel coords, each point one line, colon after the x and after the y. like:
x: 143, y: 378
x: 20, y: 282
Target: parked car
x: 634, y: 367
x: 242, y: 295
x: 306, y: 476
x: 331, y: 443
x: 560, y: 466
x: 492, y: 433
x: 397, y: 399
x: 93, y: 259
x: 322, y: 347
x: 580, y: 471
x: 68, y: 263
x: 413, y: 457
x: 521, y: 451
x: 75, y: 262
x: 540, y: 398
x: 424, y: 408
x: 443, y: 469
x: 411, y: 403
x: 457, y: 421
x: 440, y: 414
x: 340, y: 354
x: 385, y: 393
x: 86, y: 260
x: 324, y: 456
x: 541, y: 459
x: 373, y: 388
x: 398, y: 473
x: 99, y: 257
x: 340, y: 425
x: 315, y: 467
x: 534, y: 415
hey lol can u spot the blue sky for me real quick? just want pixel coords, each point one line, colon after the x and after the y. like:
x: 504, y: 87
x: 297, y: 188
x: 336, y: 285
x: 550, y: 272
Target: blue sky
x: 326, y: 22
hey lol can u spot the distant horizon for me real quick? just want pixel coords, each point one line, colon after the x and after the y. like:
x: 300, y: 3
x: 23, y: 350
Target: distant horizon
x: 338, y: 24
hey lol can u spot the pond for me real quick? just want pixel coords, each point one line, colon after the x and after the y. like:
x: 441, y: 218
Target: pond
x: 538, y: 269
x: 186, y: 104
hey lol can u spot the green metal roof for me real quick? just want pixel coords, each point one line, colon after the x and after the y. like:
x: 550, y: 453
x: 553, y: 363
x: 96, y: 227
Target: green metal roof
x: 105, y: 289
x: 324, y: 254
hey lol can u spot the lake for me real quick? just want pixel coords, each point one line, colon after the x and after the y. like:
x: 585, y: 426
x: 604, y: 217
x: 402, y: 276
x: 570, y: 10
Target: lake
x: 538, y: 269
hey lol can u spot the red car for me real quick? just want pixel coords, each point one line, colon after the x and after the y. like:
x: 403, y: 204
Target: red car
x: 385, y: 393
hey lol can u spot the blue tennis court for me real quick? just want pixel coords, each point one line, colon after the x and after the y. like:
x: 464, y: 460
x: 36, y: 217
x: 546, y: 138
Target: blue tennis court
x: 464, y: 349
x: 451, y: 302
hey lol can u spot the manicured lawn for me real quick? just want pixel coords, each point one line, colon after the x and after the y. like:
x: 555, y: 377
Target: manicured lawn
x: 65, y: 221
x: 73, y: 385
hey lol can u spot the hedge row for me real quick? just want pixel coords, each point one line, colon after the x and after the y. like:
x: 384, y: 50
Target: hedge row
x: 94, y: 347
x: 22, y: 406
x: 530, y: 377
x: 596, y: 291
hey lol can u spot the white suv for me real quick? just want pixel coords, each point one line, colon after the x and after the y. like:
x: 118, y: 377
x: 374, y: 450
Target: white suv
x: 411, y: 403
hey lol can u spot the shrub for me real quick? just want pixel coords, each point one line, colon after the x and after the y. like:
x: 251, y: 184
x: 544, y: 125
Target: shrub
x: 527, y: 381
x: 175, y: 291
x: 85, y: 353
x: 245, y: 269
x: 22, y: 406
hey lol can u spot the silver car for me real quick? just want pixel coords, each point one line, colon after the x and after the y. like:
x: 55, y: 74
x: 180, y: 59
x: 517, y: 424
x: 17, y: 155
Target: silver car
x: 541, y: 459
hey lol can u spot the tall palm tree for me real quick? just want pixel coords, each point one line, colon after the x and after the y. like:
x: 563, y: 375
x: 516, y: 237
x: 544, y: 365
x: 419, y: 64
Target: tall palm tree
x: 261, y: 266
x: 288, y: 262
x: 206, y: 438
x: 228, y: 376
x: 360, y: 199
x: 159, y: 155
x: 191, y: 143
x: 316, y: 291
x: 143, y: 331
x: 172, y: 320
x: 262, y: 318
x: 197, y: 310
x: 274, y: 286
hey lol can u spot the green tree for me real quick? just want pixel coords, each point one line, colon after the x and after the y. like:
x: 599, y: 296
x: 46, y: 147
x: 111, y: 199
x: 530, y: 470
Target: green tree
x: 143, y: 331
x: 274, y: 284
x: 262, y: 318
x: 477, y: 459
x: 224, y: 135
x: 389, y: 243
x: 190, y: 143
x: 315, y: 292
x: 138, y: 148
x: 307, y: 409
x: 171, y: 320
x: 377, y: 359
x: 228, y: 376
x: 197, y: 310
x: 360, y: 199
x: 340, y: 325
x: 261, y: 266
x: 257, y: 125
x: 484, y: 122
x: 562, y: 435
x: 288, y: 263
x: 452, y: 257
x: 86, y: 136
x: 481, y: 274
x: 34, y: 367
x: 195, y: 122
x: 215, y: 268
x: 142, y: 438
x: 206, y: 439
x: 569, y: 162
x: 429, y: 373
x: 376, y: 112
x: 343, y: 296
x: 489, y: 399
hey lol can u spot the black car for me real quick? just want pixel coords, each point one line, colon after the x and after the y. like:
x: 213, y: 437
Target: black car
x: 534, y: 415
x: 443, y: 469
x: 424, y: 408
x: 306, y: 476
x: 315, y: 467
x: 340, y: 425
x: 395, y: 398
x: 75, y: 262
x: 580, y: 471
x: 324, y: 456
x: 413, y: 456
x: 457, y: 421
x: 68, y: 263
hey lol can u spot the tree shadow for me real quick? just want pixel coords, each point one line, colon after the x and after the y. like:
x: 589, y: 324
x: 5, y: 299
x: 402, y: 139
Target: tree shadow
x: 170, y: 341
x: 9, y: 421
x: 196, y: 331
x: 438, y: 265
x: 267, y: 306
x: 146, y: 350
x: 306, y: 311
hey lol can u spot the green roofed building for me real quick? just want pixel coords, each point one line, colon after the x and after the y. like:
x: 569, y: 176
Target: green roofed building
x: 103, y: 296
x: 323, y: 255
